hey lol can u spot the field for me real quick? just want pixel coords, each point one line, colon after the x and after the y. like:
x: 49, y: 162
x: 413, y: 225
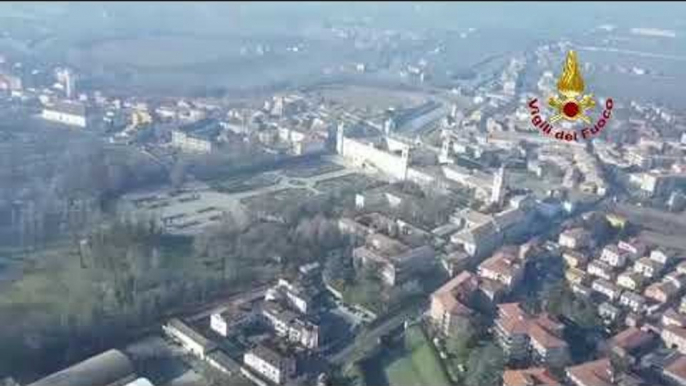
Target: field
x: 159, y: 51
x: 353, y: 182
x: 376, y: 98
x: 276, y: 202
x: 414, y: 362
x: 244, y: 184
x: 311, y: 170
x: 170, y: 63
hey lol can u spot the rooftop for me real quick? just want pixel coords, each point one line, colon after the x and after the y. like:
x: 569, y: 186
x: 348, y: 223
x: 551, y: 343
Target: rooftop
x: 268, y: 354
x: 190, y: 333
x: 537, y: 376
x: 631, y: 339
x: 501, y: 263
x: 542, y: 329
x: 107, y: 368
x: 455, y: 291
x: 677, y: 369
x: 73, y: 108
x: 595, y: 373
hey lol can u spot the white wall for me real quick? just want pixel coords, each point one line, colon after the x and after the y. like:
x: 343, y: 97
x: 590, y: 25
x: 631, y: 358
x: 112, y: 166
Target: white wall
x: 68, y: 119
x: 389, y: 163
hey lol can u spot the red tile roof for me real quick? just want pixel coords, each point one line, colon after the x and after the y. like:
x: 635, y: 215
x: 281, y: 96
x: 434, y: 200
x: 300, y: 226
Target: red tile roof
x: 596, y: 373
x: 631, y: 339
x: 543, y: 330
x: 456, y: 290
x: 544, y: 338
x: 528, y: 377
x: 677, y: 369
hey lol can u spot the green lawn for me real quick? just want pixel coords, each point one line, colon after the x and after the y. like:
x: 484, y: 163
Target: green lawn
x: 420, y: 365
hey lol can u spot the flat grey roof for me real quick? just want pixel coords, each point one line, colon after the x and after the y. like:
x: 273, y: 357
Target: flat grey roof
x: 101, y: 370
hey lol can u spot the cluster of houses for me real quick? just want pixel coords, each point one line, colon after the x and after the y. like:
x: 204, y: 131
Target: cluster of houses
x: 639, y: 291
x: 628, y: 279
x: 496, y: 277
x: 290, y: 124
x: 395, y: 250
x: 287, y: 312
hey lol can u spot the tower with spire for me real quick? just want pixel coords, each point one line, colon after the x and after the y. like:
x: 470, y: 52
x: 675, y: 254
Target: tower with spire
x: 444, y: 156
x: 340, y: 137
x: 499, y: 186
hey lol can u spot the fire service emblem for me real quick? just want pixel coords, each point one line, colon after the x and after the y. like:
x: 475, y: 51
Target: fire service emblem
x: 570, y: 104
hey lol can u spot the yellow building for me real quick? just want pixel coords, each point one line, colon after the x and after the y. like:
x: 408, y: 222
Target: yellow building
x: 616, y: 220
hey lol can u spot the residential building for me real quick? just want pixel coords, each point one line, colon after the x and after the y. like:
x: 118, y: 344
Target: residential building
x: 493, y: 290
x: 606, y: 288
x: 634, y: 319
x: 455, y: 262
x: 404, y: 267
x: 600, y: 269
x: 632, y: 343
x: 483, y: 234
x: 227, y: 321
x: 633, y: 301
x: 450, y: 303
x: 575, y: 238
x: 502, y: 267
x: 201, y: 136
x: 673, y: 318
x: 599, y: 373
x: 634, y: 247
x: 512, y: 331
x: 616, y: 220
x: 674, y: 337
x: 348, y: 226
x: 661, y: 292
x: 140, y: 382
x: 68, y: 113
x: 648, y: 268
x: 614, y: 256
x: 662, y: 256
x: 478, y: 241
x: 581, y: 290
x: 395, y: 262
x: 289, y: 325
x: 298, y: 296
x: 575, y: 259
x: 576, y: 276
x: 675, y: 372
x: 190, y: 142
x: 272, y: 364
x: 535, y: 376
x: 513, y: 223
x: 676, y: 278
x: 609, y: 312
x: 189, y: 338
x: 522, y: 336
x: 633, y: 281
x: 547, y: 343
x: 10, y: 82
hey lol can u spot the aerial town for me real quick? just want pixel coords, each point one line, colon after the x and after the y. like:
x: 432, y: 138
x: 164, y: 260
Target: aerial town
x: 344, y: 234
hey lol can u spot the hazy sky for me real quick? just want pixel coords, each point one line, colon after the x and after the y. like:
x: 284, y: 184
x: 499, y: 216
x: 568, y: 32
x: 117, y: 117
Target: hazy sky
x: 286, y: 15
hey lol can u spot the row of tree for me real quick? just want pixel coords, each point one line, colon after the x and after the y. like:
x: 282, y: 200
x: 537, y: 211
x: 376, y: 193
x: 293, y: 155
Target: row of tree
x: 47, y: 195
